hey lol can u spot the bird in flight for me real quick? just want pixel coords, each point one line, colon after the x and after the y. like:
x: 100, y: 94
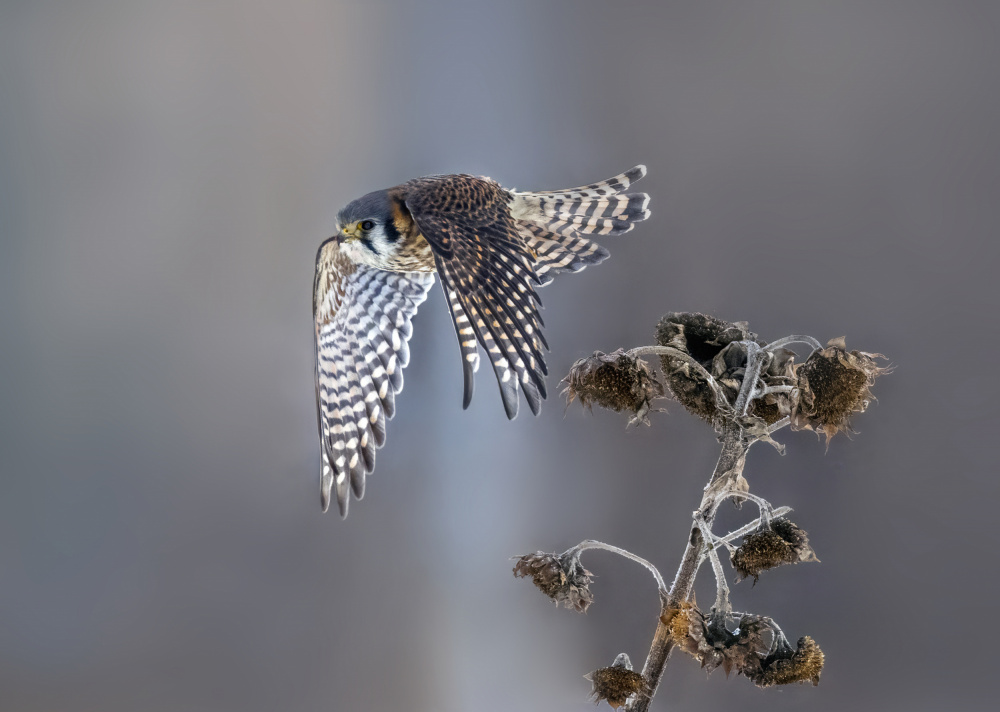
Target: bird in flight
x: 491, y: 248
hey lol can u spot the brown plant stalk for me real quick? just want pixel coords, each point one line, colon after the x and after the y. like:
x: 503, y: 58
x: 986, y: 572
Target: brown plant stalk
x: 730, y: 466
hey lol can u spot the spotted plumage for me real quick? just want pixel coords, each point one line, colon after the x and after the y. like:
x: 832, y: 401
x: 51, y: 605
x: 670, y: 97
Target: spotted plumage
x: 492, y: 248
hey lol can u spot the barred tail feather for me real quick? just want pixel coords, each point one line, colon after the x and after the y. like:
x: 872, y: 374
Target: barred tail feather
x: 619, y: 184
x: 614, y: 215
x: 600, y: 208
x: 553, y: 223
x: 558, y: 253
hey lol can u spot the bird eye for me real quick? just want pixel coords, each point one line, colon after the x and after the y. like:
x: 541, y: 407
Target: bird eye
x: 367, y: 225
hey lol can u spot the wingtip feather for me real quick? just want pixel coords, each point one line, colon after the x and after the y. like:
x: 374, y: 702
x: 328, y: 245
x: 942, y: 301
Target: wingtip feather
x: 325, y: 482
x: 469, y: 385
x: 510, y: 401
x: 358, y: 485
x: 534, y: 400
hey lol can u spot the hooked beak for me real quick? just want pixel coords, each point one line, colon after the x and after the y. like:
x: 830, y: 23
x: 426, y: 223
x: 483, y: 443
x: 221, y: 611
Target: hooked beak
x: 343, y: 236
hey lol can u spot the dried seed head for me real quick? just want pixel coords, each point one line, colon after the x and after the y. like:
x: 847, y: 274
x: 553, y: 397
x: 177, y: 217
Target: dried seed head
x: 756, y: 647
x: 785, y: 666
x: 691, y: 389
x: 769, y: 408
x: 781, y: 543
x: 707, y: 340
x: 708, y: 640
x: 833, y: 384
x: 616, y: 684
x: 561, y: 578
x: 701, y: 335
x: 616, y: 381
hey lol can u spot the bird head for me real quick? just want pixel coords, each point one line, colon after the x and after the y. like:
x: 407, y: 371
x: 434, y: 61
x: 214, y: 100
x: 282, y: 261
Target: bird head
x: 368, y: 222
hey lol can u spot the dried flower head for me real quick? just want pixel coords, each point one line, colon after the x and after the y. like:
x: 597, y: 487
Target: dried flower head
x: 833, y: 384
x: 720, y: 348
x: 708, y: 639
x: 617, y: 381
x: 679, y: 620
x: 616, y: 684
x: 703, y: 338
x: 560, y: 577
x: 701, y: 335
x: 781, y: 543
x: 756, y: 647
x: 785, y: 666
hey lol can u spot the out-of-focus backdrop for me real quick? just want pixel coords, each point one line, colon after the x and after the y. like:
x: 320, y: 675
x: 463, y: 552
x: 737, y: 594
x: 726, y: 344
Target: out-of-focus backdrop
x: 167, y: 171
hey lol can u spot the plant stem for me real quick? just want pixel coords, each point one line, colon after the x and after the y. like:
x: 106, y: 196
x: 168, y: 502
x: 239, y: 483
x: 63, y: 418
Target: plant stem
x: 752, y: 526
x: 676, y: 353
x: 594, y: 544
x: 728, y: 468
x: 721, y: 587
x: 755, y: 359
x: 762, y: 504
x: 794, y: 339
x: 775, y: 427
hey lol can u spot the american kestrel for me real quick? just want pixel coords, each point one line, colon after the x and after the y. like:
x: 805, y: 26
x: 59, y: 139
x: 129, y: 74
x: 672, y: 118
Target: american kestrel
x: 491, y: 248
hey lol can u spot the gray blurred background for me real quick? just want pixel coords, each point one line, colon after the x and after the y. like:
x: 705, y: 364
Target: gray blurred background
x: 167, y: 171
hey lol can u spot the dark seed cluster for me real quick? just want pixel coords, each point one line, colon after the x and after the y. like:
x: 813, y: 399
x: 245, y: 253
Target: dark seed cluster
x: 616, y: 381
x: 785, y: 666
x: 781, y: 543
x: 561, y: 578
x: 833, y: 384
x: 616, y: 684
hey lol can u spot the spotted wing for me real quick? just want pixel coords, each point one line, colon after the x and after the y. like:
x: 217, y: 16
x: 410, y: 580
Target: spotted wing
x: 362, y: 325
x: 489, y: 280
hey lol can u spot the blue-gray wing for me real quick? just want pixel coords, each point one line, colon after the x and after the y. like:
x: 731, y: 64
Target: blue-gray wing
x: 362, y: 320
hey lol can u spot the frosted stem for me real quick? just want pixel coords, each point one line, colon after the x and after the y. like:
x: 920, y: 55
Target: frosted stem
x: 593, y: 544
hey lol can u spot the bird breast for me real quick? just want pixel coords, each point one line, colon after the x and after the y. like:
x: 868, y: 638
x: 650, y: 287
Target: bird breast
x: 413, y: 254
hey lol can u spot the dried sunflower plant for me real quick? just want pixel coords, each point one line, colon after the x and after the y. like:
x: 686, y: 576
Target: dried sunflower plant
x: 746, y: 389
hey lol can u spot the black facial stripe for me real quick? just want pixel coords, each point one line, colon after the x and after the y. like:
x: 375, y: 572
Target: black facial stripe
x: 391, y: 233
x: 368, y: 243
